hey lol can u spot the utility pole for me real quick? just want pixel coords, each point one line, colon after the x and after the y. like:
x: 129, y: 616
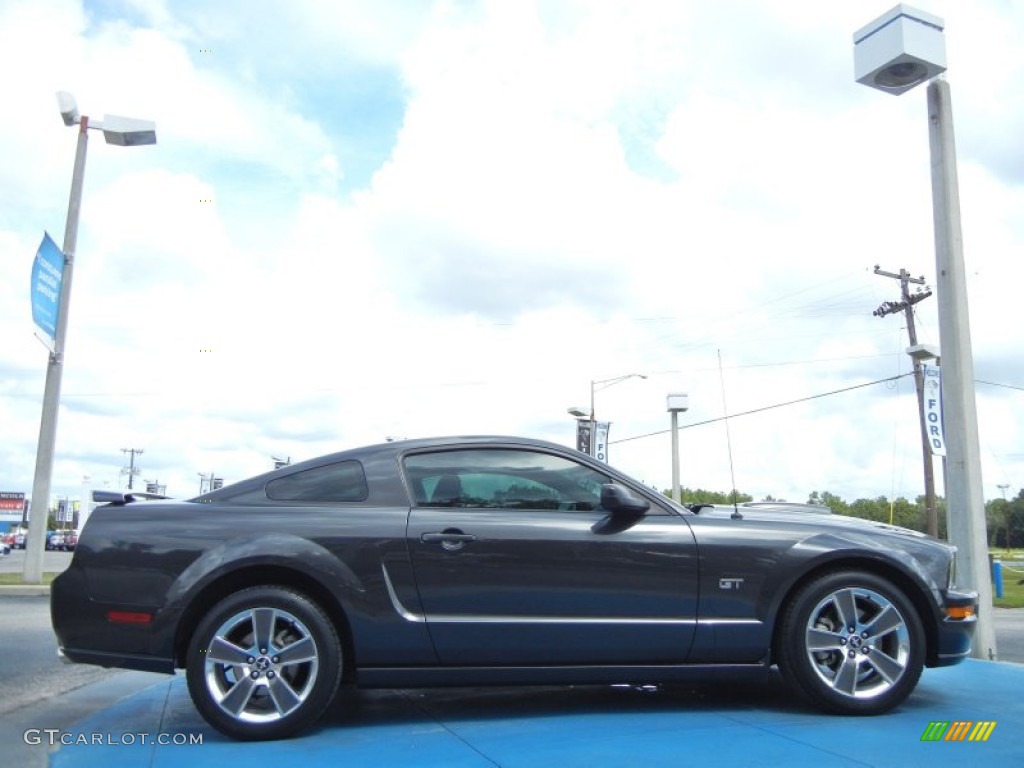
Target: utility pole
x: 1006, y: 512
x: 906, y: 305
x: 130, y: 469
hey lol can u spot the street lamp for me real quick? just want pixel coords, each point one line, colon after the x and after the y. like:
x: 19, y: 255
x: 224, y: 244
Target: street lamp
x: 676, y: 404
x: 922, y: 353
x: 591, y: 437
x: 901, y: 49
x: 125, y: 132
x: 584, y: 429
x: 605, y: 383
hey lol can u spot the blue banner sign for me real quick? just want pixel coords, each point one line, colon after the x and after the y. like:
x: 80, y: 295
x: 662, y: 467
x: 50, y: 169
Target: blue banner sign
x: 47, y: 280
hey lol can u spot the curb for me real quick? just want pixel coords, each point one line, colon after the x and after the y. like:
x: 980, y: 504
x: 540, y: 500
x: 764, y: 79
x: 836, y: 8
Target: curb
x: 25, y: 590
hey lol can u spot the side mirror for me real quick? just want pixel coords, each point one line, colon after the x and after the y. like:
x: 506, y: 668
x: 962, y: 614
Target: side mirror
x: 618, y: 499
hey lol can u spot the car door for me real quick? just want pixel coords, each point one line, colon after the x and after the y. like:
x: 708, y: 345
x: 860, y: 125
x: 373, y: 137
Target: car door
x: 516, y: 563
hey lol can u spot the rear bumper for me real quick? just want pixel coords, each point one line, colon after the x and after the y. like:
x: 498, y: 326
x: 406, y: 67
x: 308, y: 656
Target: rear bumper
x: 86, y: 634
x: 116, y: 660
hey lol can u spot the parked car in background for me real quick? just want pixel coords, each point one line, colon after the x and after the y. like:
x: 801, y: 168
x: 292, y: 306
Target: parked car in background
x: 54, y: 540
x: 19, y: 541
x: 70, y: 541
x: 5, y: 548
x: 495, y: 561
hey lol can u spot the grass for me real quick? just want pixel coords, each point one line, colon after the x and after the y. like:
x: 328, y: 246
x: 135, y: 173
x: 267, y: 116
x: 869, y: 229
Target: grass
x: 15, y: 578
x: 1013, y: 593
x: 1013, y: 589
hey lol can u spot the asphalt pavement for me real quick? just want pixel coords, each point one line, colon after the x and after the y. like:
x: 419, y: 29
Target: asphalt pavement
x: 53, y: 562
x: 29, y: 668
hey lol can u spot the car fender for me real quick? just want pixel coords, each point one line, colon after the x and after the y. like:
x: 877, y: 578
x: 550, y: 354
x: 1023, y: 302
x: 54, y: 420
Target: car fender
x: 819, y: 552
x: 278, y: 549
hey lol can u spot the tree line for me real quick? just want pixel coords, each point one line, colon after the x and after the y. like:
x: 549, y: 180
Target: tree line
x: 1004, y: 517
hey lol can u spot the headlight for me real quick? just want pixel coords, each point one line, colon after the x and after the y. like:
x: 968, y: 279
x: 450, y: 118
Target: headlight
x: 951, y: 579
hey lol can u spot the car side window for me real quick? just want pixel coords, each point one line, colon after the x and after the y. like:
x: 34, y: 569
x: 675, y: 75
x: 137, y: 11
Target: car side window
x: 502, y: 478
x: 343, y: 481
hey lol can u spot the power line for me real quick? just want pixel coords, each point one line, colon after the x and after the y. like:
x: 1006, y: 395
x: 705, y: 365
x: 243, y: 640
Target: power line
x: 764, y: 408
x: 994, y: 384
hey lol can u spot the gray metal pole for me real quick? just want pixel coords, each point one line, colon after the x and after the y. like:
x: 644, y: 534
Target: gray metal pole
x: 35, y: 544
x: 931, y: 511
x: 964, y: 492
x: 676, y: 493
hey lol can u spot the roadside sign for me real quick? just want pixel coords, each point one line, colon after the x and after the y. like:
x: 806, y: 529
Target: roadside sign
x: 933, y: 409
x: 47, y: 281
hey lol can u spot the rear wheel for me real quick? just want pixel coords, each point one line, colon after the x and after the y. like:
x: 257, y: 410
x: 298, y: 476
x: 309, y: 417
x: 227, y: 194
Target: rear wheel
x: 852, y: 643
x: 263, y: 664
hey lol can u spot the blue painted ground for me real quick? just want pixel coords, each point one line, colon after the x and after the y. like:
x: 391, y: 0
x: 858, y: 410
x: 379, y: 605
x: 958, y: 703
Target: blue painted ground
x: 726, y: 724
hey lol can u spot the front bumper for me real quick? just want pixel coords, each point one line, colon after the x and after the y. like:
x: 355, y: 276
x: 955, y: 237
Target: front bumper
x: 956, y: 629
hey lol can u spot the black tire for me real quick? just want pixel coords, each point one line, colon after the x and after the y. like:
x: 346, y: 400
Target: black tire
x: 852, y: 643
x: 263, y: 663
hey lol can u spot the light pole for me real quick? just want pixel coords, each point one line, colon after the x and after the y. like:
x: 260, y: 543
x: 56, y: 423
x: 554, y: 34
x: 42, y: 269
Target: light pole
x: 125, y: 132
x: 676, y: 404
x: 605, y: 383
x: 591, y: 437
x: 897, y: 51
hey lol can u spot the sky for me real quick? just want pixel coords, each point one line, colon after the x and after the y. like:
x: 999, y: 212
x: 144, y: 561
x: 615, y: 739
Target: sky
x: 408, y: 218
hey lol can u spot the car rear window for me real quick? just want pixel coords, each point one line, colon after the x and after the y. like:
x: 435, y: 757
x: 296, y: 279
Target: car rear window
x: 344, y: 481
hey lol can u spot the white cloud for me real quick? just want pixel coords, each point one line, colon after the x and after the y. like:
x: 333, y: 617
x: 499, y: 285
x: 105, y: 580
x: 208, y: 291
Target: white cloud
x: 577, y: 191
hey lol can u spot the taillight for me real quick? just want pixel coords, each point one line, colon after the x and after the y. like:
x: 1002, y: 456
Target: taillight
x: 129, y: 617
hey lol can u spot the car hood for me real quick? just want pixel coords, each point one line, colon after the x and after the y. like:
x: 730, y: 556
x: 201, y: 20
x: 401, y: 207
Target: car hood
x: 822, y: 520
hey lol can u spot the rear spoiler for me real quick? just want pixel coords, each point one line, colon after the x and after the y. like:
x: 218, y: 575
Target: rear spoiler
x: 124, y: 497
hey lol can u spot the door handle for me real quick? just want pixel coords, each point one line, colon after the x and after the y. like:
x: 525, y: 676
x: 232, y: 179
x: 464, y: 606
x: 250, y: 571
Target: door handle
x: 447, y: 537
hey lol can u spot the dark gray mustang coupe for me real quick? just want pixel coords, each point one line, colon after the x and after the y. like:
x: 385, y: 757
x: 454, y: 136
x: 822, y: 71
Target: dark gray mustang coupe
x: 495, y: 561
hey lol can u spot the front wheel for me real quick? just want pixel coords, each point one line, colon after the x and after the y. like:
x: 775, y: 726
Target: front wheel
x: 852, y: 643
x: 263, y: 663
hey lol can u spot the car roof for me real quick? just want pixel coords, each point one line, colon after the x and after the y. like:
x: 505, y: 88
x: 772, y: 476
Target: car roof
x: 401, y: 446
